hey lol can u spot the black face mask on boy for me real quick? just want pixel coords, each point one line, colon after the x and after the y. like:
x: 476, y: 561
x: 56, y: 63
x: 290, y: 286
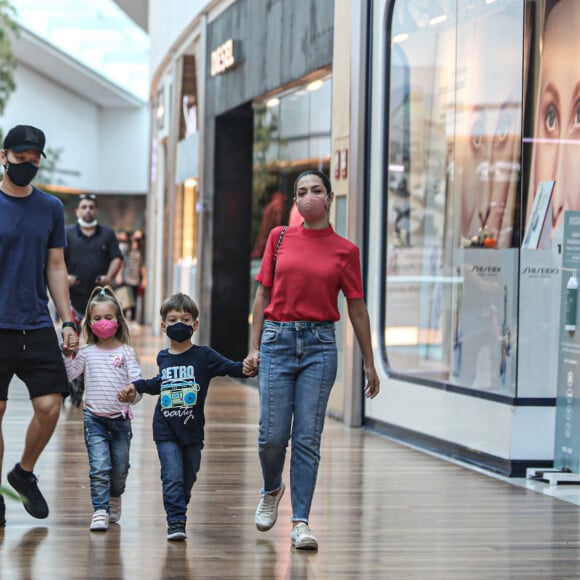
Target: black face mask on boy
x: 179, y: 332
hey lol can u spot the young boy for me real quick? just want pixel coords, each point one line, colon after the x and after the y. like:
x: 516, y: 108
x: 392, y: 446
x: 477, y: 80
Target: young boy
x: 185, y: 371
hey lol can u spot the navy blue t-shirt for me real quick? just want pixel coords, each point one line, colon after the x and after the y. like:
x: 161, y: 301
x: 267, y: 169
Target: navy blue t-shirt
x: 29, y: 226
x: 86, y: 258
x: 182, y: 385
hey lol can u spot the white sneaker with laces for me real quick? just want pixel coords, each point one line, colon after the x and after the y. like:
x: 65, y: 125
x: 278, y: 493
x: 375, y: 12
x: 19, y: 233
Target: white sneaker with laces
x: 267, y: 511
x: 100, y: 521
x: 303, y: 538
x: 115, y: 509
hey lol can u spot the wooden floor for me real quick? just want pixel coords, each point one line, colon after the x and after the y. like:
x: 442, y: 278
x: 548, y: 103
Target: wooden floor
x: 381, y: 510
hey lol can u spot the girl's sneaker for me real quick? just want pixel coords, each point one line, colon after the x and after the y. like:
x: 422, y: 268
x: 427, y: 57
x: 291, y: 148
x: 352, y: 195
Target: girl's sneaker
x: 100, y: 521
x: 115, y: 509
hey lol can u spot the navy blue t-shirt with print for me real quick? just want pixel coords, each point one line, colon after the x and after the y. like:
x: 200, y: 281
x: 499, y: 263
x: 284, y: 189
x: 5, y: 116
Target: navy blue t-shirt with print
x: 29, y: 227
x: 182, y: 385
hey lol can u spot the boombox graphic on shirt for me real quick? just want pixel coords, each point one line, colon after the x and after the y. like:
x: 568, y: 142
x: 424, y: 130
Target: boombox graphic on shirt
x: 178, y: 387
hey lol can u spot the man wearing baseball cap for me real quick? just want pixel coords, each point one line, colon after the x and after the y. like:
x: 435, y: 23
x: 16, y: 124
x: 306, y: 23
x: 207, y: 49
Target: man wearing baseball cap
x: 32, y: 238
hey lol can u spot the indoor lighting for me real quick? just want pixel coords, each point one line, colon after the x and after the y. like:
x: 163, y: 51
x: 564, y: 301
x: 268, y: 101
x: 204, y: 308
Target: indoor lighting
x: 314, y: 85
x: 400, y: 38
x: 438, y: 19
x: 273, y: 102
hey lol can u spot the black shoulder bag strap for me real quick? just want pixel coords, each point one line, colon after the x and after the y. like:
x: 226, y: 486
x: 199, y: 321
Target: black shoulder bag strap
x: 276, y: 251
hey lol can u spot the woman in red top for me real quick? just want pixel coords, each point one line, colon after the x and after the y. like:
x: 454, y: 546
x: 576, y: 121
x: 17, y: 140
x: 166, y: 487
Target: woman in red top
x: 293, y: 341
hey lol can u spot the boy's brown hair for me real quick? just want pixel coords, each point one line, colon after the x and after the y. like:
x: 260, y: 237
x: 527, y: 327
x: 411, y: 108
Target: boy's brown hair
x: 180, y: 302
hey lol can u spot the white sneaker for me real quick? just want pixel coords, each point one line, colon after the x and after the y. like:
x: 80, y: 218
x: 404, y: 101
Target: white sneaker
x: 302, y: 537
x: 267, y: 511
x: 100, y: 521
x: 115, y: 509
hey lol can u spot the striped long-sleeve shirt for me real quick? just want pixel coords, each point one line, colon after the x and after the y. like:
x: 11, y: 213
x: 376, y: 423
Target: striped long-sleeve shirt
x: 106, y: 371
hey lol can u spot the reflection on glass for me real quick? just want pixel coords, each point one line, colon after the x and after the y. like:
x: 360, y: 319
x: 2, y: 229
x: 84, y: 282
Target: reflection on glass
x: 453, y: 173
x: 488, y: 122
x: 292, y: 133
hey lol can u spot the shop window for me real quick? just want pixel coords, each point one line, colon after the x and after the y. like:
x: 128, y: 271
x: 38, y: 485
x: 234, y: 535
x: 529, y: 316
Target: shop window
x: 452, y: 192
x: 292, y: 133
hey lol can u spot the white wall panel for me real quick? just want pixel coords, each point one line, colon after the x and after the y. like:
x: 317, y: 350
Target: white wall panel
x: 167, y: 20
x: 123, y: 150
x: 69, y: 122
x: 103, y: 150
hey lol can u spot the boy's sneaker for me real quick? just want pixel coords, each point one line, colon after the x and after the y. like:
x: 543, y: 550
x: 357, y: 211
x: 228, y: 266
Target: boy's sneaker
x: 26, y: 485
x: 267, y: 511
x: 114, y: 509
x: 302, y: 537
x: 100, y: 521
x: 176, y: 531
x: 2, y: 512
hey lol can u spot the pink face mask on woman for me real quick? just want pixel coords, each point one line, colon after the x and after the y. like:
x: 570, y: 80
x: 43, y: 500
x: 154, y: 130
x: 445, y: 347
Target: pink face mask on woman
x: 104, y: 328
x: 313, y: 207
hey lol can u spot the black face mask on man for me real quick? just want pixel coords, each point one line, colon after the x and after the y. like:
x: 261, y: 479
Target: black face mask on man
x: 21, y: 174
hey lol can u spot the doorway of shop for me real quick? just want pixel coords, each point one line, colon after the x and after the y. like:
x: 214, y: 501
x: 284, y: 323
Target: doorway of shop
x: 231, y: 232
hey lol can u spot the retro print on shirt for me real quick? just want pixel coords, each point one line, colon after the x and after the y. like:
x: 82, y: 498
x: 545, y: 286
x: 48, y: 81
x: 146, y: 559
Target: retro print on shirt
x: 178, y: 392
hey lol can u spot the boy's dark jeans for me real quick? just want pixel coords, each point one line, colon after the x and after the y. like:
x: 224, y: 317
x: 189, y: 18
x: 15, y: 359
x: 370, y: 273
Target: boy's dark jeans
x: 179, y: 467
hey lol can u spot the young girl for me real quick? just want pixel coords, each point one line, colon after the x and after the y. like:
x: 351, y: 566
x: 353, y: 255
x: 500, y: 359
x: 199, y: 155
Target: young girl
x: 109, y: 364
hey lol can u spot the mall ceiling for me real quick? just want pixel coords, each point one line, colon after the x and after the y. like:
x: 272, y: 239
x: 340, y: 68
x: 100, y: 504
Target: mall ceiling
x: 137, y: 10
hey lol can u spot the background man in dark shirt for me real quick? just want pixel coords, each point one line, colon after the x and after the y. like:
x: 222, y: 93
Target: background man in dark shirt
x: 92, y: 254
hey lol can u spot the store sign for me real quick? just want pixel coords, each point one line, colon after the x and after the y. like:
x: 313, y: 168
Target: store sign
x: 225, y: 57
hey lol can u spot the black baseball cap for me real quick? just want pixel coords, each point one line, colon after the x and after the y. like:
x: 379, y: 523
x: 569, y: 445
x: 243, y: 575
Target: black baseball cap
x: 24, y: 137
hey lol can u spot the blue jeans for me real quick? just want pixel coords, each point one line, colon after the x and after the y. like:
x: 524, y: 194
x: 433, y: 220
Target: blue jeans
x: 108, y: 442
x: 297, y: 370
x: 179, y: 467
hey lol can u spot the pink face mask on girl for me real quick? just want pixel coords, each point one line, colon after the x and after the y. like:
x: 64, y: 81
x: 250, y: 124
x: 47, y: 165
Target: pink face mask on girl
x: 104, y: 328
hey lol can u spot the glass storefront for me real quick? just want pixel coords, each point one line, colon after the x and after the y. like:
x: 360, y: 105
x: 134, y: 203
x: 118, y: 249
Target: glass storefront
x: 292, y: 133
x: 482, y: 106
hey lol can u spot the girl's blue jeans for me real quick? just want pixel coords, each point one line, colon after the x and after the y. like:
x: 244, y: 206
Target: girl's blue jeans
x: 108, y: 442
x: 298, y: 363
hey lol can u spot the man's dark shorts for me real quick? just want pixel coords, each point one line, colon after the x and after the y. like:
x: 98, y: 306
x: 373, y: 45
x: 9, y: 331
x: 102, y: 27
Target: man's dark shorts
x: 33, y: 356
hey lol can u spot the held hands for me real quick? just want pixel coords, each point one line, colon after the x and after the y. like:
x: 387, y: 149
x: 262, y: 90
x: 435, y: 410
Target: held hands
x: 127, y: 394
x: 70, y: 341
x: 251, y: 364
